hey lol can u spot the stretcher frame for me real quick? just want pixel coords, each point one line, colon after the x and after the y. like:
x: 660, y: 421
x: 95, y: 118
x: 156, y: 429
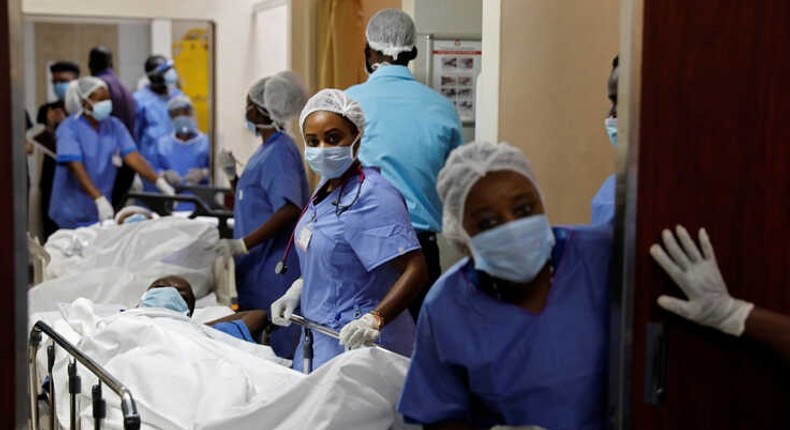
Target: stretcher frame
x: 131, y: 418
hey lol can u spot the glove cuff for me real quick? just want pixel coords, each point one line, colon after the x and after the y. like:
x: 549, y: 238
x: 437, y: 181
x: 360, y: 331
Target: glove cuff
x: 735, y: 323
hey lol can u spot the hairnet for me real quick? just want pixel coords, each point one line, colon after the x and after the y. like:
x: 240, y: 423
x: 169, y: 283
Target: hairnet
x: 81, y: 89
x: 390, y: 31
x: 281, y: 95
x: 336, y: 101
x: 467, y: 165
x: 72, y: 102
x: 178, y: 102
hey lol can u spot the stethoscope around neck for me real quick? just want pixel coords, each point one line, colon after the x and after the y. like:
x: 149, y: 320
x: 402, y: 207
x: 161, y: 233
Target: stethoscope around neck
x: 282, y: 267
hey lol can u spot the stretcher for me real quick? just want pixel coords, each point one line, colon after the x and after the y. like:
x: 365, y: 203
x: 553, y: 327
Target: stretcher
x: 183, y: 379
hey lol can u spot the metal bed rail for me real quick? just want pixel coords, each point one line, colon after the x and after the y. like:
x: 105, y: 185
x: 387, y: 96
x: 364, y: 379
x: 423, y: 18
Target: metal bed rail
x: 163, y: 205
x: 131, y: 419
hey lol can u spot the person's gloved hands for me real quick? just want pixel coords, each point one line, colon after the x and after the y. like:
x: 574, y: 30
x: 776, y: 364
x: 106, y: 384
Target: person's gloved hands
x: 360, y: 332
x: 230, y: 247
x: 284, y: 307
x: 196, y: 176
x: 105, y: 209
x: 227, y: 162
x: 698, y: 275
x: 172, y: 177
x: 164, y: 187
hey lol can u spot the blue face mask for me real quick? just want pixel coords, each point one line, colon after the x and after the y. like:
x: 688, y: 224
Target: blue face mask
x: 132, y: 219
x: 515, y: 251
x: 167, y: 298
x: 184, y: 124
x: 611, y: 129
x: 171, y: 76
x: 60, y: 89
x: 330, y: 162
x: 101, y: 110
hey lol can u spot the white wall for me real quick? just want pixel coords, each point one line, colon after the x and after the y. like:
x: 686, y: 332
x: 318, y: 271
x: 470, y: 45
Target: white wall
x: 234, y: 48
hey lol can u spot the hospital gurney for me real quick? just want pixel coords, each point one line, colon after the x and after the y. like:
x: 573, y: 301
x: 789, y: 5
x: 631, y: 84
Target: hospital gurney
x: 131, y: 419
x: 308, y: 327
x: 164, y: 205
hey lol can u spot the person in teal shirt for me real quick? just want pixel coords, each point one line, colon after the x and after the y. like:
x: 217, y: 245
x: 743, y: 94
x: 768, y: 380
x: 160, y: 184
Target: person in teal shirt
x: 410, y: 128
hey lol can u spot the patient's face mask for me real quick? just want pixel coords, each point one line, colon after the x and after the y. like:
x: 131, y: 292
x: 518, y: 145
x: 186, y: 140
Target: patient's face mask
x: 164, y: 297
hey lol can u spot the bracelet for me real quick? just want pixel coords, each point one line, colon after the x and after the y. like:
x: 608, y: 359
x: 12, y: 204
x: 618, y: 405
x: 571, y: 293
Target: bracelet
x: 379, y: 319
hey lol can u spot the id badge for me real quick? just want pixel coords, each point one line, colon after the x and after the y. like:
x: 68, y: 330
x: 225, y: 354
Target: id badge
x: 304, y: 236
x: 116, y: 159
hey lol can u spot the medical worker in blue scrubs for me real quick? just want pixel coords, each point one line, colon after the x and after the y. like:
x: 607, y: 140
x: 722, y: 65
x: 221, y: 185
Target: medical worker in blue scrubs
x: 270, y: 195
x: 361, y: 261
x: 91, y: 147
x: 182, y: 156
x: 516, y: 333
x: 152, y: 120
x: 604, y: 200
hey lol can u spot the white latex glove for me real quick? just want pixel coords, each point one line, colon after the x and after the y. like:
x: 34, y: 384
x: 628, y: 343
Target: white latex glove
x: 164, y: 187
x: 360, y: 332
x: 196, y: 175
x: 230, y: 247
x: 698, y: 275
x: 105, y: 209
x: 227, y: 162
x: 284, y: 307
x: 172, y: 177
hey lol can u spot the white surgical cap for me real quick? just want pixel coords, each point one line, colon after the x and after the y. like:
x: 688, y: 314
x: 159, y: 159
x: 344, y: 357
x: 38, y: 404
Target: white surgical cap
x: 72, y: 102
x: 79, y: 90
x: 467, y: 165
x: 282, y: 95
x: 179, y: 102
x: 336, y: 101
x: 391, y: 32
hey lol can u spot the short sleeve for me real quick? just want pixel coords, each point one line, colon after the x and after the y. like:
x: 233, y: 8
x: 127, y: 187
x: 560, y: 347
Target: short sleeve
x: 68, y: 142
x: 434, y: 391
x: 125, y: 142
x: 282, y: 179
x: 458, y: 131
x: 378, y: 227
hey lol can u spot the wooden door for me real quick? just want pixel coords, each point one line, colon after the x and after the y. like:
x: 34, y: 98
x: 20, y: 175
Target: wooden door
x: 710, y: 122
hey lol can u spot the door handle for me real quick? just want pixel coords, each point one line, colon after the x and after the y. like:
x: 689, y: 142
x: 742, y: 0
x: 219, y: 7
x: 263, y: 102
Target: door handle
x: 656, y: 365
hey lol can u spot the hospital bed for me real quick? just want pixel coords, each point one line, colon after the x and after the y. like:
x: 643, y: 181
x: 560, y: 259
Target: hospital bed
x: 211, y: 384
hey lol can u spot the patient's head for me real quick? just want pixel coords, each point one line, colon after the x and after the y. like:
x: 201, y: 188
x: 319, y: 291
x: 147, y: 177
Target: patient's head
x: 170, y: 292
x: 132, y: 214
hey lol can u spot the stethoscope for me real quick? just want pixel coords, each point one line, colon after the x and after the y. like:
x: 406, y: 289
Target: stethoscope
x: 281, y: 267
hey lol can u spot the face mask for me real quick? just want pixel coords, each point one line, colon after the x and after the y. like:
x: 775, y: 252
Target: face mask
x: 184, y: 124
x: 171, y: 76
x: 611, y: 129
x: 256, y: 128
x: 132, y: 219
x: 60, y: 89
x: 101, y: 110
x: 515, y: 251
x: 331, y: 162
x: 167, y: 298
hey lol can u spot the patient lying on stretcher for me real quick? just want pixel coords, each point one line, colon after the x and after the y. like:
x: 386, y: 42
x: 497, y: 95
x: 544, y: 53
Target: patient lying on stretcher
x: 175, y: 293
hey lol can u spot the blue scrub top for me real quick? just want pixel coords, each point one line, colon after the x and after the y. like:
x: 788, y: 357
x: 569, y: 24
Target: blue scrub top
x: 603, y: 202
x: 274, y: 176
x: 343, y: 259
x: 173, y: 153
x: 152, y: 121
x: 70, y: 206
x: 487, y: 362
x: 410, y: 130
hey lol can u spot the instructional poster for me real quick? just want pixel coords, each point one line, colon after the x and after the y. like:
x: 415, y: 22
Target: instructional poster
x: 456, y: 64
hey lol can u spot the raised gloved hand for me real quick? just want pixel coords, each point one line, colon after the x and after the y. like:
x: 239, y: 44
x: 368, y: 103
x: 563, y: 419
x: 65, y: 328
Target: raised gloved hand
x: 196, y: 176
x: 105, y: 209
x: 164, y: 187
x: 230, y: 247
x: 172, y: 177
x: 698, y: 275
x: 227, y: 162
x: 360, y: 332
x: 284, y: 307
